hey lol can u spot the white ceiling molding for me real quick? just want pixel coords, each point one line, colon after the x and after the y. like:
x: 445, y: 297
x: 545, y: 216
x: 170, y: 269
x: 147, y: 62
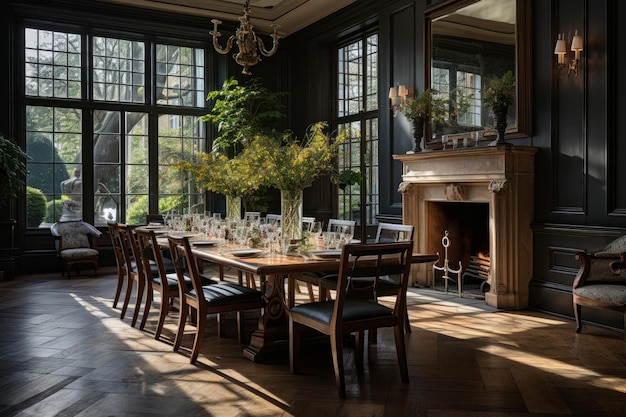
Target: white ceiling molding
x: 291, y: 15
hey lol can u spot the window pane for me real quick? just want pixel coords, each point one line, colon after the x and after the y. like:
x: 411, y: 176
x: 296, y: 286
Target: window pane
x: 54, y: 144
x: 46, y: 51
x: 180, y: 137
x: 137, y: 170
x: 358, y: 90
x: 114, y: 178
x: 116, y: 73
x: 180, y: 76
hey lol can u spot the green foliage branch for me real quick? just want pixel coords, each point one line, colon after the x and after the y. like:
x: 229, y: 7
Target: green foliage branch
x: 500, y: 91
x: 243, y: 111
x: 12, y: 169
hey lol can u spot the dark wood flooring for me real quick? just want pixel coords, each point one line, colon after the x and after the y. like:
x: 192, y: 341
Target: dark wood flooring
x: 65, y: 352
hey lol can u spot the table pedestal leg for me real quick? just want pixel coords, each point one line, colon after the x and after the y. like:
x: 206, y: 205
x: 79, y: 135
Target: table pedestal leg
x: 272, y: 332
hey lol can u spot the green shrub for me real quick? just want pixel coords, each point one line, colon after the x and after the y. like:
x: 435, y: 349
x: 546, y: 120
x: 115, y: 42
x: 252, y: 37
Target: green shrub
x: 138, y: 209
x: 54, y: 210
x: 35, y: 207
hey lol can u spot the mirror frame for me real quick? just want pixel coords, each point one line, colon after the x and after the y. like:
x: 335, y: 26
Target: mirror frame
x: 523, y: 52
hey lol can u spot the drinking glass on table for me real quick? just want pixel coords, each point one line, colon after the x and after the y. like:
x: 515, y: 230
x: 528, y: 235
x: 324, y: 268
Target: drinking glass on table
x: 330, y: 240
x: 347, y: 234
x: 316, y: 234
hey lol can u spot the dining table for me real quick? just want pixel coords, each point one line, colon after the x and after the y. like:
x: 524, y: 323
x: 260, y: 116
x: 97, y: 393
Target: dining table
x: 271, y: 334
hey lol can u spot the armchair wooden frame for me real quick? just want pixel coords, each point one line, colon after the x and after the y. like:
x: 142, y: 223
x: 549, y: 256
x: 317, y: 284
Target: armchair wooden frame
x: 600, y: 283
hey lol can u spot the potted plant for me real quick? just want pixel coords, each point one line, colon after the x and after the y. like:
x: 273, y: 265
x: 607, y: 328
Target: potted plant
x: 427, y: 106
x: 499, y: 95
x: 234, y: 178
x: 242, y: 111
x: 291, y: 165
x: 12, y: 168
x: 12, y: 179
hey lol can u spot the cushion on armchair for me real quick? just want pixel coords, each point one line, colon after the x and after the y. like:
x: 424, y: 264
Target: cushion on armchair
x: 606, y: 294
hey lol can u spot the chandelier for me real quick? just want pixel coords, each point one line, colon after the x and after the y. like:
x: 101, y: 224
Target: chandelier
x: 247, y: 42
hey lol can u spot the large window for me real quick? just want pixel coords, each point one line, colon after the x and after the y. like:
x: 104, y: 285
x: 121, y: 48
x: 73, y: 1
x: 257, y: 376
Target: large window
x: 358, y: 112
x: 104, y: 145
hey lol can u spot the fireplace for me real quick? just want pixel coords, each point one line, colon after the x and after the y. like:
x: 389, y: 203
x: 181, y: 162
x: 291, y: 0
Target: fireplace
x: 494, y: 181
x: 466, y: 227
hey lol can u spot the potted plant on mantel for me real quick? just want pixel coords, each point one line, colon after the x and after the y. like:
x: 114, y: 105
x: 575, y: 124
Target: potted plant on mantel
x: 12, y: 178
x: 425, y: 107
x: 499, y: 95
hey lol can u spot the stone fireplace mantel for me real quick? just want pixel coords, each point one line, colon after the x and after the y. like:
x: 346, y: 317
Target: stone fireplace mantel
x: 502, y: 177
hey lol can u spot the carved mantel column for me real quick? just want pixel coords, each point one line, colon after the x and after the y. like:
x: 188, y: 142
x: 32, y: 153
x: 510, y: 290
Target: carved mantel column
x: 502, y: 177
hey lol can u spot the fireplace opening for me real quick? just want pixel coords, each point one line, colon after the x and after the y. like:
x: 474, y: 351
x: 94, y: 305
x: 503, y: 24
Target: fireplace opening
x: 467, y: 224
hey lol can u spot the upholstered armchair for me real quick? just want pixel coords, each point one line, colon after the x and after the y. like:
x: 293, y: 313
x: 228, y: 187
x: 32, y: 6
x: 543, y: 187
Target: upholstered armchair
x: 601, y: 280
x: 76, y: 243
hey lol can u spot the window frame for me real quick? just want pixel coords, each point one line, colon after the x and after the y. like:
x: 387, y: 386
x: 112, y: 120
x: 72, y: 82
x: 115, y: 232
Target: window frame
x: 87, y: 104
x: 371, y: 199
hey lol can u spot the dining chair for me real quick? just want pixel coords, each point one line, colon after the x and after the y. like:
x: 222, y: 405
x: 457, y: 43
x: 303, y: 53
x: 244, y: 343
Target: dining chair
x: 273, y: 217
x: 154, y: 218
x: 252, y: 215
x: 311, y: 279
x: 307, y: 223
x: 356, y: 309
x: 76, y: 243
x: 161, y: 277
x: 334, y: 224
x: 207, y: 299
x: 134, y: 270
x: 120, y: 261
x: 387, y: 286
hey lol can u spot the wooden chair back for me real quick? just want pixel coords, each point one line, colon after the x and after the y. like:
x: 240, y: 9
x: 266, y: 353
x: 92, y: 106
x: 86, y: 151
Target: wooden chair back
x: 389, y: 232
x: 114, y: 233
x: 134, y: 269
x: 356, y: 308
x: 333, y: 224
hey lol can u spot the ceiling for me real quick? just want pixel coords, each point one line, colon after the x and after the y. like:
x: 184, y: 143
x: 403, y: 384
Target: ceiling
x: 291, y: 15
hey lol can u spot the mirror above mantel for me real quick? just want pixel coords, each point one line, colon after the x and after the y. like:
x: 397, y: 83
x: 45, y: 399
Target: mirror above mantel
x: 468, y: 43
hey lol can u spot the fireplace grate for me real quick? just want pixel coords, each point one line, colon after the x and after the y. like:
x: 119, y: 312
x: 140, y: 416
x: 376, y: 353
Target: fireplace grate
x: 478, y: 271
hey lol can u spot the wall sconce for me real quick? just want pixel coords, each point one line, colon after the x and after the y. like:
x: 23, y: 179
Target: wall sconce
x: 560, y: 50
x: 398, y: 98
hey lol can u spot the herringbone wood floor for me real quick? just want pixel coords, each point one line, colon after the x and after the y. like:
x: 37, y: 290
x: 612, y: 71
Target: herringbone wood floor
x: 65, y: 352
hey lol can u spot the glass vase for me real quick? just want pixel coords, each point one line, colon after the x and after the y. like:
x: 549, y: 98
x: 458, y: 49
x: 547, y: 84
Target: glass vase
x: 233, y: 207
x: 291, y: 213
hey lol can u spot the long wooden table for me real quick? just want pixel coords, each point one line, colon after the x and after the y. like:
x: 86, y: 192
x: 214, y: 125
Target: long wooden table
x: 272, y: 331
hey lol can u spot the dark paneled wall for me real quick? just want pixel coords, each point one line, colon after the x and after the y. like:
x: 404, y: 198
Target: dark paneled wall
x: 579, y: 196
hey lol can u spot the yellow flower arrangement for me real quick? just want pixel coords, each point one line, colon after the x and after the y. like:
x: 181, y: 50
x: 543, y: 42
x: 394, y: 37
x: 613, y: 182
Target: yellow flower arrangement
x: 268, y: 161
x: 234, y: 177
x: 288, y: 164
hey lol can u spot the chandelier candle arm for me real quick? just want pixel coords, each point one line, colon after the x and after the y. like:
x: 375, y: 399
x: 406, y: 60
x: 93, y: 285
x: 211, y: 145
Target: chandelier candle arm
x: 216, y: 36
x: 275, y: 38
x: 247, y: 42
